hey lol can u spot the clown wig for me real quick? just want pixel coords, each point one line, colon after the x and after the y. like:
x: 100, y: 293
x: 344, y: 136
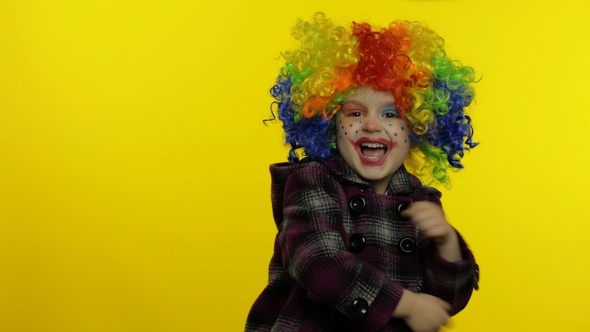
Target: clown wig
x: 430, y: 90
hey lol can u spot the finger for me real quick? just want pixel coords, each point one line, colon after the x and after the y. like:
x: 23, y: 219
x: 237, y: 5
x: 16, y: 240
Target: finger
x: 406, y: 213
x: 427, y: 219
x: 415, y: 206
x: 433, y: 229
x: 418, y: 213
x: 422, y: 211
x: 419, y: 205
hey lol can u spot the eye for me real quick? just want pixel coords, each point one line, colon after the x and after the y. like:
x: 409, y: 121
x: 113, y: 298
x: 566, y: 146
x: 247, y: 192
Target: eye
x: 390, y: 113
x: 352, y: 110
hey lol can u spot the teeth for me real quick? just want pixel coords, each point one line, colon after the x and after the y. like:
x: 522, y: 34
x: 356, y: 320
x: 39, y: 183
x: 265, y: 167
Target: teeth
x: 373, y: 145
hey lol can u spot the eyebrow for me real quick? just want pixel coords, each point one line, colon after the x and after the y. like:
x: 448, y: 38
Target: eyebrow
x: 356, y: 103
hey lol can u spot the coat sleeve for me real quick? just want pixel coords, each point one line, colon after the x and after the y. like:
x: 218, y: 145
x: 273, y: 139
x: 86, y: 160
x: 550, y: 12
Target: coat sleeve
x: 314, y: 252
x: 450, y: 281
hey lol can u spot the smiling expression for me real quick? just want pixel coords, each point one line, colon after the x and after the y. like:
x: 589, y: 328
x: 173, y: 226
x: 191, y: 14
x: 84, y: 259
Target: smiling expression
x: 372, y: 137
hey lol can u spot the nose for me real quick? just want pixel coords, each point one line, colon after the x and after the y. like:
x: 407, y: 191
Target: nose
x: 371, y: 124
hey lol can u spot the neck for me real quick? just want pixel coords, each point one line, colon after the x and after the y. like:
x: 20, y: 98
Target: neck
x: 381, y: 185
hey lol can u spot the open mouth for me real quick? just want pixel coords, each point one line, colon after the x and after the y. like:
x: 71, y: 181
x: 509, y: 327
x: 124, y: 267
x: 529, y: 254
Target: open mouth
x: 373, y: 150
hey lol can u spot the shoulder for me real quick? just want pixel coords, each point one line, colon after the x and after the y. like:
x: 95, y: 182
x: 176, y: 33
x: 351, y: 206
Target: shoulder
x: 310, y: 174
x: 309, y: 180
x: 429, y: 194
x: 285, y: 169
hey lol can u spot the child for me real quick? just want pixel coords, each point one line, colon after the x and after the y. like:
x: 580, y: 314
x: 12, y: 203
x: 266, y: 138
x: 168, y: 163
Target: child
x: 362, y: 245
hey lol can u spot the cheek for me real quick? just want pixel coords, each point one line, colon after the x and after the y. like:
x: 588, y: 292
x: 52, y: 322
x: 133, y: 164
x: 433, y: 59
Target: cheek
x: 398, y: 132
x: 346, y: 129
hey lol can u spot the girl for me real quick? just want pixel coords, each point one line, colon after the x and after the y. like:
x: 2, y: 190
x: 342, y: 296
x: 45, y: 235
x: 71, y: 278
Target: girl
x: 362, y: 244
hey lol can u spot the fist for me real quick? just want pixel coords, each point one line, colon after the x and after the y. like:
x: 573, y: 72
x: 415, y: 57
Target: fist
x: 430, y: 219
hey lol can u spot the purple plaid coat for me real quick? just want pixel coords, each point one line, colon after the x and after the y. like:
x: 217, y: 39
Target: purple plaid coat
x: 343, y: 255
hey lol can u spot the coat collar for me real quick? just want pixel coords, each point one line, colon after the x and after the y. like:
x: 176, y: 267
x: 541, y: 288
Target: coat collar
x: 401, y: 182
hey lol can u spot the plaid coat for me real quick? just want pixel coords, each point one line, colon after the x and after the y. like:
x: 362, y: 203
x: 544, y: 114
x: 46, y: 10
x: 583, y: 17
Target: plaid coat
x: 343, y: 255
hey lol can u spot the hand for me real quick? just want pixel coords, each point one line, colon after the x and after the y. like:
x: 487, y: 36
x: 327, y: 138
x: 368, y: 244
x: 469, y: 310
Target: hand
x: 430, y: 219
x: 423, y: 312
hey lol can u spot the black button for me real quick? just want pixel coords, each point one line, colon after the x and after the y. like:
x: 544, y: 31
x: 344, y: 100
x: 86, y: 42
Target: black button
x: 402, y: 206
x: 357, y: 204
x: 363, y: 189
x: 407, y: 245
x: 357, y: 243
x: 360, y: 308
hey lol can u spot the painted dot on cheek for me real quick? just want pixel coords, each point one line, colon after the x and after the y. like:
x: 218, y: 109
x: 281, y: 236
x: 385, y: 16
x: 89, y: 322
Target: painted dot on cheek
x: 356, y: 132
x: 395, y: 134
x: 350, y: 125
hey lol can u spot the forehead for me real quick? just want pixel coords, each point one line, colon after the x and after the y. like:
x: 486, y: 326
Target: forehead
x: 366, y: 95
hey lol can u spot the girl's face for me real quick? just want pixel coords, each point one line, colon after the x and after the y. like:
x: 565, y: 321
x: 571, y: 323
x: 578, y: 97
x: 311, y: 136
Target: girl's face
x: 372, y: 137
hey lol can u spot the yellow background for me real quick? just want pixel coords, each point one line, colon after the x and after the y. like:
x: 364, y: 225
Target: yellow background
x: 134, y: 186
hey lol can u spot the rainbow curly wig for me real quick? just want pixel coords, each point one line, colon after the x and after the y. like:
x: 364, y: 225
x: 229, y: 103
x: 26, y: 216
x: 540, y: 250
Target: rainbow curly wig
x: 430, y: 90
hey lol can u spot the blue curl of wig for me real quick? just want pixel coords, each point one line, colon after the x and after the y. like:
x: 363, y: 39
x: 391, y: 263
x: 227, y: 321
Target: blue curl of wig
x: 451, y: 128
x: 312, y: 133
